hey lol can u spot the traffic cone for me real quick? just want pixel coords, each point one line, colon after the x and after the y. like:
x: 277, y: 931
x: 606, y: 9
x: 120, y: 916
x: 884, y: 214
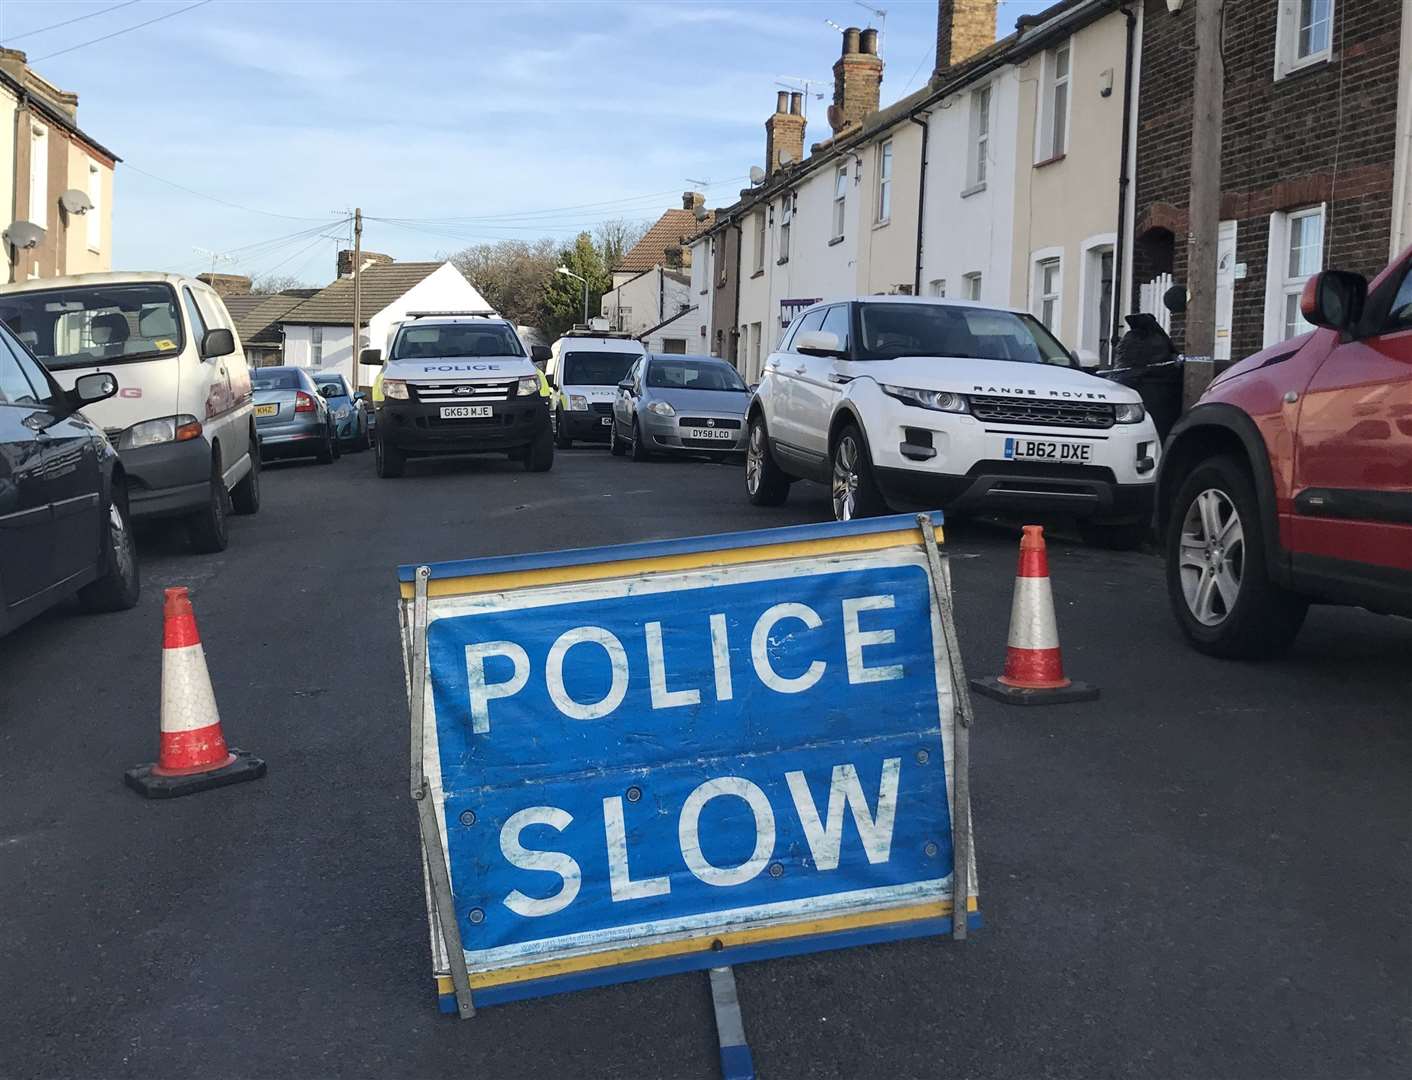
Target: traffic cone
x: 193, y: 755
x: 1034, y: 668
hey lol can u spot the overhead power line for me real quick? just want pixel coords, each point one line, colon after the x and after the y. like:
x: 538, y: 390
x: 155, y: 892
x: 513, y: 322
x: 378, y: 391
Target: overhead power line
x: 216, y: 199
x: 118, y: 33
x: 69, y: 22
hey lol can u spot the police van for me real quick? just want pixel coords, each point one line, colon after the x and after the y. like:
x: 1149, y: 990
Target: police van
x: 459, y: 383
x: 585, y: 367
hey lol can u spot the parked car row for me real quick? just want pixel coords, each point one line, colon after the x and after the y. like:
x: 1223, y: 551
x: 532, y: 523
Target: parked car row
x: 307, y: 414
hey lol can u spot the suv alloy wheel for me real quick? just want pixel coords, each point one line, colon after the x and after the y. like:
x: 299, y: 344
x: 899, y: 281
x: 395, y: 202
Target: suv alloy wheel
x: 765, y: 483
x: 855, y: 492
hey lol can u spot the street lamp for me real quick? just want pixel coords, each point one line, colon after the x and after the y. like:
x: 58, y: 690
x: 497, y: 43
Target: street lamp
x: 569, y: 273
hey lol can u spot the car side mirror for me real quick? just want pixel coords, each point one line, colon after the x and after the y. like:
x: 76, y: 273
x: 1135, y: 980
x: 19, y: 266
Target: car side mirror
x: 1334, y: 299
x: 818, y: 343
x: 360, y: 395
x: 217, y: 342
x: 626, y: 385
x: 539, y: 355
x: 372, y: 357
x: 98, y: 386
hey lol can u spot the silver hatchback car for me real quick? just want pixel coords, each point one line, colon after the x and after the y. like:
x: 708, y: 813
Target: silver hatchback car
x: 679, y: 404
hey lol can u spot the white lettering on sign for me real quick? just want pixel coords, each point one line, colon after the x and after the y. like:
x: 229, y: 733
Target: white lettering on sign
x: 760, y: 641
x: 875, y: 830
x: 662, y: 698
x: 688, y: 832
x: 619, y: 876
x: 554, y: 861
x: 721, y: 657
x: 855, y: 640
x: 554, y: 672
x: 482, y: 692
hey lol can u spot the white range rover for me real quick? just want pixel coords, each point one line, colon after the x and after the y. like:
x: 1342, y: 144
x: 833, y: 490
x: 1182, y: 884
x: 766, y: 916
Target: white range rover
x: 914, y: 402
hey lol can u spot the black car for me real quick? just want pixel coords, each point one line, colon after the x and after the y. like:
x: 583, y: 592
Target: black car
x: 64, y: 526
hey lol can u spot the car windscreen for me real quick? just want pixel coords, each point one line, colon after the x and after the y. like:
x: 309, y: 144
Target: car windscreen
x: 888, y: 331
x: 274, y: 379
x: 85, y: 325
x: 456, y: 339
x: 694, y: 375
x: 597, y: 368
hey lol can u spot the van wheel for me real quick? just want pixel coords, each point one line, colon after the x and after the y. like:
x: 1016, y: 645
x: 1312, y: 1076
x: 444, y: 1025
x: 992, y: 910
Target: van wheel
x: 539, y: 455
x: 1217, y: 580
x: 245, y: 496
x: 389, y: 460
x: 855, y: 491
x: 208, y: 527
x: 561, y: 431
x: 121, y: 583
x: 766, y: 483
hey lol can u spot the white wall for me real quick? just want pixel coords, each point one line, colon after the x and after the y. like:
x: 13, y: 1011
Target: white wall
x: 338, y: 348
x: 963, y: 234
x: 444, y: 289
x: 649, y: 298
x: 9, y: 105
x: 700, y: 296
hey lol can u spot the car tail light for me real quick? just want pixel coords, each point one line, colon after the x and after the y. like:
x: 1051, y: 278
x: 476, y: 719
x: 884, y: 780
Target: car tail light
x: 303, y: 402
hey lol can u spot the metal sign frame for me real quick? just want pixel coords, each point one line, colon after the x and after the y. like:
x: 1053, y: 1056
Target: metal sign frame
x: 452, y: 975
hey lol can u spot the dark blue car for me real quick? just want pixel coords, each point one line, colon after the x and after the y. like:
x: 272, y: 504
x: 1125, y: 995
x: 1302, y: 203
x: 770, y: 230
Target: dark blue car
x: 349, y: 410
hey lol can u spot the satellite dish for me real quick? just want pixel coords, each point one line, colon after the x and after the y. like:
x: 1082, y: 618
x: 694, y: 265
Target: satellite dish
x: 757, y: 174
x: 786, y: 158
x: 24, y: 234
x: 76, y: 201
x: 701, y: 213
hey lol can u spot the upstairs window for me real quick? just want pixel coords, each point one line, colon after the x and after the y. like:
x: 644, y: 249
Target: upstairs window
x: 760, y: 241
x: 980, y: 138
x: 316, y: 346
x: 1304, y: 34
x: 884, y: 183
x: 1054, y: 105
x: 786, y: 217
x: 840, y: 200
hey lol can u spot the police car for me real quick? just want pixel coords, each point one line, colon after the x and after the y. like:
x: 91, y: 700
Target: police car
x: 460, y: 383
x: 585, y: 367
x: 927, y: 402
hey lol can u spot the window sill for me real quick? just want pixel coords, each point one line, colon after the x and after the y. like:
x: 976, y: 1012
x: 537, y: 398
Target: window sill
x: 883, y: 224
x: 1050, y: 161
x: 835, y: 241
x: 758, y: 273
x: 974, y: 189
x: 782, y: 260
x: 1310, y: 64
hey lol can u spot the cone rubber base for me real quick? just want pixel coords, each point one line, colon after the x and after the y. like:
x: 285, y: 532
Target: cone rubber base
x: 142, y: 780
x: 992, y: 687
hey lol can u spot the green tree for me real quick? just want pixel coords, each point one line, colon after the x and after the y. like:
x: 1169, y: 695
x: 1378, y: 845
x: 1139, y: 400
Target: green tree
x: 563, y: 295
x: 510, y: 275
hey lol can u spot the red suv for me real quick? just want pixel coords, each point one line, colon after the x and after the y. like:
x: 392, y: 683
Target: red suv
x: 1290, y: 482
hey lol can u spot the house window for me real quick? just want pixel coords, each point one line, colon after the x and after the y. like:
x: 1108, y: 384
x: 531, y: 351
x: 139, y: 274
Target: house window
x: 840, y: 200
x: 884, y: 183
x: 1054, y: 123
x: 316, y: 346
x: 1296, y: 253
x: 1304, y: 34
x: 980, y: 138
x: 95, y: 215
x: 936, y: 287
x: 1097, y: 301
x: 674, y: 345
x: 971, y: 286
x: 786, y: 217
x: 760, y: 241
x: 39, y: 175
x: 1046, y: 292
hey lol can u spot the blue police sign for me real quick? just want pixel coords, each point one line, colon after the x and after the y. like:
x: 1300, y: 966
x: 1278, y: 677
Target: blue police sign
x: 683, y: 754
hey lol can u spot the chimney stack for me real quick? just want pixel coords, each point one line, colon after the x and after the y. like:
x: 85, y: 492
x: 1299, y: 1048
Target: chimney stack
x: 370, y: 258
x: 857, y: 79
x: 784, y: 132
x: 963, y: 28
x: 690, y: 200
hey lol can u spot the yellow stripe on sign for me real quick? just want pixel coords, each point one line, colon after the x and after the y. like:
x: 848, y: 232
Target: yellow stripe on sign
x: 656, y: 951
x: 696, y: 560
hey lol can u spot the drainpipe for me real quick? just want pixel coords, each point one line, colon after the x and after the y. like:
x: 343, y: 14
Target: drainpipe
x: 661, y: 292
x: 1124, y: 180
x: 925, y: 125
x: 735, y: 319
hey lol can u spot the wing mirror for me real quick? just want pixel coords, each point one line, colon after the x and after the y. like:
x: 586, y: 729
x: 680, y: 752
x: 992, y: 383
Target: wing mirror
x: 372, y: 357
x: 98, y: 386
x: 626, y: 384
x: 1334, y: 299
x: 218, y: 342
x: 539, y: 356
x: 818, y: 343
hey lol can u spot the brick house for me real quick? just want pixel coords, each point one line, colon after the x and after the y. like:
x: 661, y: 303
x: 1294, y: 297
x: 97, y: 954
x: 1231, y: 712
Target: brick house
x: 1310, y: 158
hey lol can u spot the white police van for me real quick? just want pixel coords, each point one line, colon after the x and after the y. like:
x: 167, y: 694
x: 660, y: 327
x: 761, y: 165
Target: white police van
x: 459, y: 383
x: 914, y: 401
x: 585, y: 367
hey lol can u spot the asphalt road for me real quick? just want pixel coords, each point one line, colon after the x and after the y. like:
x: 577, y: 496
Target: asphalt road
x: 1203, y: 874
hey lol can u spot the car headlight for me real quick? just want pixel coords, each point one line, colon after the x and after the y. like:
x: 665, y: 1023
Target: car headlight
x: 1126, y: 412
x: 164, y: 429
x: 396, y: 389
x: 661, y: 408
x: 527, y: 386
x: 578, y: 403
x: 342, y: 412
x: 936, y: 400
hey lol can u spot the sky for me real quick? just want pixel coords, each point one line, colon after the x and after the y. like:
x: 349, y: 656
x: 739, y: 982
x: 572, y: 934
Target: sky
x: 248, y: 130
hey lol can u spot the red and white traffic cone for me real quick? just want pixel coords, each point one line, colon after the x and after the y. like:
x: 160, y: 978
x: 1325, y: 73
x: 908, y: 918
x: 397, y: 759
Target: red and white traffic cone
x: 193, y: 755
x: 1034, y: 668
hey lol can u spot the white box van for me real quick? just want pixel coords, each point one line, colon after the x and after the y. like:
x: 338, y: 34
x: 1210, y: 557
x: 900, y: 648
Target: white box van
x: 182, y: 420
x: 585, y: 368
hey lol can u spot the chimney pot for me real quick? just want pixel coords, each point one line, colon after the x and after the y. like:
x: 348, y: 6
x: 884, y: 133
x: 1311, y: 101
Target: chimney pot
x: 796, y: 104
x: 782, y: 101
x: 868, y: 42
x: 850, y: 40
x: 857, y: 82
